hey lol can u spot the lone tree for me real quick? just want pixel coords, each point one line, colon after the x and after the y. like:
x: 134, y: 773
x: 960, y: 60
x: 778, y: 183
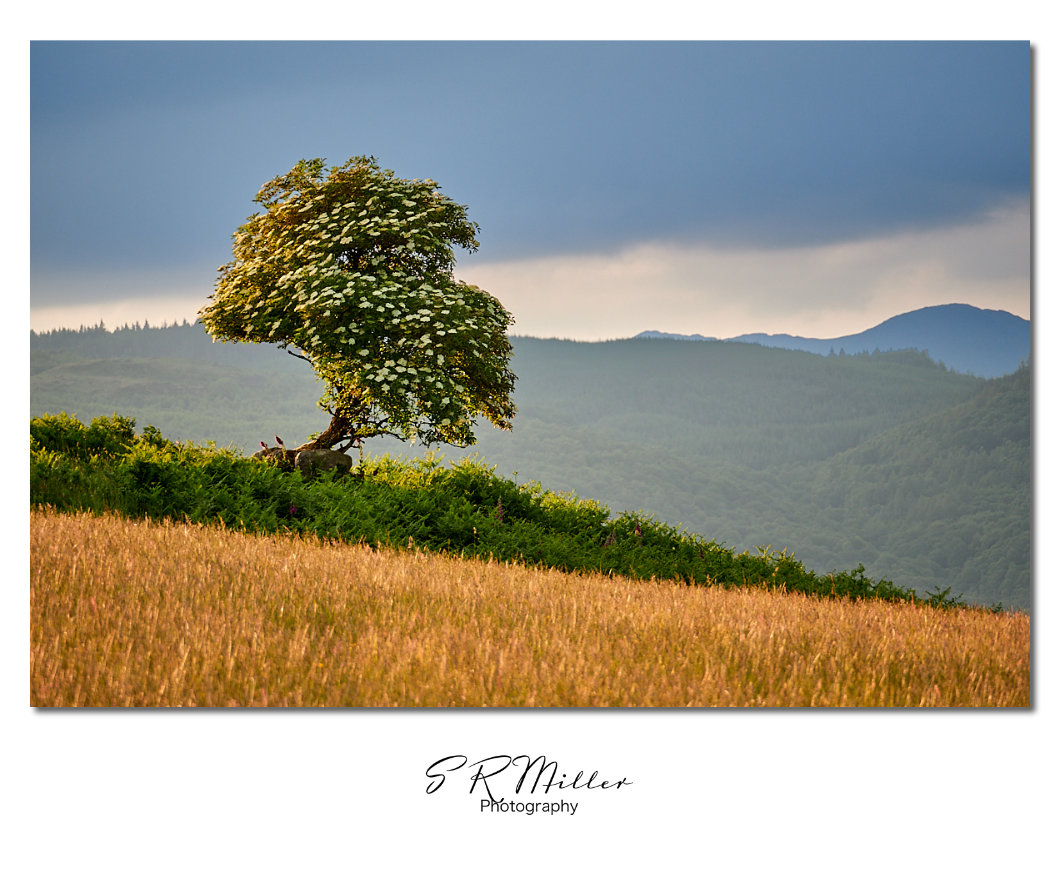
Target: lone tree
x: 353, y: 269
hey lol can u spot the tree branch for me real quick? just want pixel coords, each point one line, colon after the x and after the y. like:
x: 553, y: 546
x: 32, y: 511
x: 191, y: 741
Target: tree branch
x: 299, y: 356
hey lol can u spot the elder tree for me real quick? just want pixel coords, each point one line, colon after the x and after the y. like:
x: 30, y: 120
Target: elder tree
x: 351, y: 270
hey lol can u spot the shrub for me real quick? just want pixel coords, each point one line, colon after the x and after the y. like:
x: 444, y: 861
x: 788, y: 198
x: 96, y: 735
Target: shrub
x: 62, y: 433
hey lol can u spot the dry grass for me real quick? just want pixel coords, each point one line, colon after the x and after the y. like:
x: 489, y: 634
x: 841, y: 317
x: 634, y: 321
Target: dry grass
x: 147, y: 614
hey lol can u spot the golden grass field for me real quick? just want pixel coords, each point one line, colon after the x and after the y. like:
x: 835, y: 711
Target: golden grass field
x: 128, y: 613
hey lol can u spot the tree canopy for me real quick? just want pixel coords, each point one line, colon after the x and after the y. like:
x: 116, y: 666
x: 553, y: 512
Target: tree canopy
x: 352, y: 267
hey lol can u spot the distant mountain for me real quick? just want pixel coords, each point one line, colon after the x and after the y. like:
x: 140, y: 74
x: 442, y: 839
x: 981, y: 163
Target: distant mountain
x: 962, y: 337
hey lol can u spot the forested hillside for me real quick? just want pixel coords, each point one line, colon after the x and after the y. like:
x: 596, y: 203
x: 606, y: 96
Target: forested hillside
x: 887, y: 459
x: 177, y: 379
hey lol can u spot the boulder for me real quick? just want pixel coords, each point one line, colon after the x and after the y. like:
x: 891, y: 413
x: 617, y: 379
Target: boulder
x: 312, y: 462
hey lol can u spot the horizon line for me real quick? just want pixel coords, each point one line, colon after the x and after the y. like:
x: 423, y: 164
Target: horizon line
x: 659, y: 334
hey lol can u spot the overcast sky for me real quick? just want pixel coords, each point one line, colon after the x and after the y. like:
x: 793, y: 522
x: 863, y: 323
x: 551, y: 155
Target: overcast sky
x: 718, y: 188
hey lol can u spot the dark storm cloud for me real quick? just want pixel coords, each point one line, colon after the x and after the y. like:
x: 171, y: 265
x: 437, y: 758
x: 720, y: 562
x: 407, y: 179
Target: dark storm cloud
x: 150, y: 154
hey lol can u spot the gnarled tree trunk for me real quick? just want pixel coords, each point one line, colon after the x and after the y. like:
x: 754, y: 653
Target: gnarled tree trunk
x: 338, y: 430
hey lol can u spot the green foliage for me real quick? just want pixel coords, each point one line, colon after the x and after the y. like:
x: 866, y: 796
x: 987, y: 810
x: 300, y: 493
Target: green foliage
x: 464, y: 509
x: 61, y: 433
x: 353, y: 268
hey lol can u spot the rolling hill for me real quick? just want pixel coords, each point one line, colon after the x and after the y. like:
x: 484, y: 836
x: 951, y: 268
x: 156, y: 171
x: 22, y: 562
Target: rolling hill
x: 888, y: 459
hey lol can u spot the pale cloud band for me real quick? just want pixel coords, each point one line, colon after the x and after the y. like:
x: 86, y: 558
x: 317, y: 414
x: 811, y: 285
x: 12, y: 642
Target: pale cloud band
x: 120, y: 297
x: 821, y: 292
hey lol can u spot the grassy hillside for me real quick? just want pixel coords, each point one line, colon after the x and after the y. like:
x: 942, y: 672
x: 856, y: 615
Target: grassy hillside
x: 119, y: 619
x: 839, y: 460
x: 465, y: 509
